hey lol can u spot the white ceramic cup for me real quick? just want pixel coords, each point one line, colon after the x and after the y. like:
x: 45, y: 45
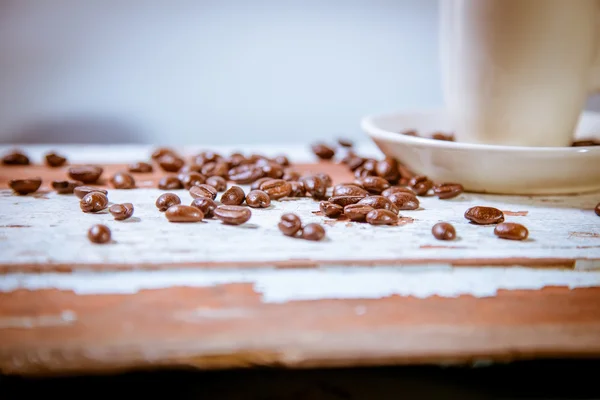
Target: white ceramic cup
x: 518, y: 72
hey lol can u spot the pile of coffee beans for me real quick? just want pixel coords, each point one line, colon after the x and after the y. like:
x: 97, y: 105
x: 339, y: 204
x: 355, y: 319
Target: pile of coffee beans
x: 291, y: 225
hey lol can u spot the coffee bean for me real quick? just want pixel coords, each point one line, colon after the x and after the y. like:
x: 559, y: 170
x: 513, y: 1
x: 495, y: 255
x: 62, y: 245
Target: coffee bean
x: 233, y: 215
x: 86, y: 173
x: 484, y: 215
x: 81, y: 191
x: 370, y: 165
x: 282, y: 160
x: 382, y: 217
x: 447, y: 190
x: 234, y: 196
x: 378, y: 203
x: 420, y: 185
x: 245, y: 174
x: 216, y: 168
x: 167, y: 200
x: 236, y: 159
x: 404, y: 201
x: 206, y: 205
x: 345, y: 200
x: 388, y: 169
x: 345, y: 142
x: 585, y: 142
x: 170, y: 163
x: 66, y: 187
x: 25, y: 186
x: 15, y: 157
x: 314, y: 186
x: 190, y: 168
x: 207, y: 157
x: 170, y: 182
x: 99, y: 234
x: 290, y: 175
x: 190, y: 179
x: 374, y: 184
x: 272, y: 170
x: 122, y: 180
x: 357, y: 212
x: 203, y: 190
x: 163, y: 151
x: 298, y: 189
x: 361, y: 173
x: 256, y: 184
x: 314, y: 232
x: 597, y: 209
x: 330, y: 209
x: 140, y: 167
x: 182, y: 213
x: 218, y: 182
x: 443, y: 231
x: 443, y: 136
x: 93, y: 202
x: 290, y: 224
x: 325, y: 178
x: 352, y: 160
x: 396, y: 189
x: 276, y: 188
x: 55, y: 160
x: 511, y: 231
x: 349, y: 189
x: 323, y: 151
x: 258, y: 199
x: 121, y: 211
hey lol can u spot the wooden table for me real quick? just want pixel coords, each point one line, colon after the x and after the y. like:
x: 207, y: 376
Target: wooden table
x: 213, y: 296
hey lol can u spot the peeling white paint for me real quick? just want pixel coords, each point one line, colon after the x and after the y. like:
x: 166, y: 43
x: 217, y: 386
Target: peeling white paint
x: 66, y: 317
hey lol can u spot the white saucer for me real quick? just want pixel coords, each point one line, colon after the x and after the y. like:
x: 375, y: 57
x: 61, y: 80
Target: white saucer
x: 488, y: 168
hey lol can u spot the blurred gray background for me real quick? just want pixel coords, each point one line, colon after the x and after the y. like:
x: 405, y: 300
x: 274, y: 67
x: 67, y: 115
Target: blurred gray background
x: 210, y: 71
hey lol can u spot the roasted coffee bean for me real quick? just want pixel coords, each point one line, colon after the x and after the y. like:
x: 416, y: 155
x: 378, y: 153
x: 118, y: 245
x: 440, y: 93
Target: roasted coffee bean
x: 272, y: 170
x: 81, y: 191
x: 15, y: 157
x: 216, y: 168
x: 314, y: 186
x: 93, y: 202
x: 357, y: 212
x: 99, y: 234
x: 121, y: 211
x: 163, y: 151
x: 122, y: 180
x: 258, y: 199
x: 585, y: 142
x: 370, y: 165
x: 206, y: 205
x: 182, y: 213
x: 443, y: 231
x: 382, y: 217
x: 420, y: 185
x: 167, y: 200
x: 325, y: 178
x: 253, y: 158
x: 170, y: 182
x: 323, y: 151
x: 379, y: 203
x: 484, y: 215
x: 290, y: 175
x: 191, y: 168
x: 511, y: 231
x: 203, y: 190
x: 597, y: 209
x: 282, y: 160
x: 345, y: 200
x: 352, y: 160
x: 236, y: 159
x: 388, y: 169
x: 55, y: 160
x: 290, y: 224
x: 374, y: 184
x: 25, y: 186
x: 190, y: 179
x: 443, y: 136
x: 140, y: 167
x: 170, y: 163
x: 245, y: 173
x: 447, y: 190
x: 314, y: 232
x: 234, y: 196
x: 65, y: 187
x: 256, y: 184
x: 217, y: 182
x: 86, y: 173
x: 298, y: 189
x: 207, y: 157
x: 330, y: 209
x: 345, y: 142
x: 349, y: 189
x: 396, y: 189
x: 276, y: 188
x: 233, y: 215
x: 404, y: 201
x: 360, y: 173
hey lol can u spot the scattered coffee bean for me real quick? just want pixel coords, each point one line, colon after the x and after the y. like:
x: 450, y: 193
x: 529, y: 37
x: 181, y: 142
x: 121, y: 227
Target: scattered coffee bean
x: 203, y: 190
x: 443, y: 231
x: 258, y: 199
x: 290, y: 175
x: 330, y: 209
x: 298, y: 189
x: 163, y: 151
x: 357, y: 212
x: 443, y: 136
x: 206, y: 205
x: 382, y: 217
x: 236, y: 159
x: 597, y: 209
x: 345, y: 142
x: 191, y: 168
x: 447, y: 190
x: 233, y: 215
x: 313, y: 232
x: 276, y: 188
x: 25, y: 186
x: 256, y: 184
x: 234, y: 196
x: 290, y: 224
x: 182, y: 213
x: 121, y: 211
x: 404, y: 201
x: 66, y: 187
x: 86, y: 173
x: 122, y: 180
x: 216, y: 168
x: 282, y: 160
x: 93, y: 202
x: 272, y: 170
x: 167, y: 200
x: 218, y: 182
x: 420, y: 185
x: 55, y: 160
x: 140, y: 167
x: 374, y: 184
x: 379, y: 203
x: 345, y: 200
x: 314, y: 186
x: 388, y: 169
x: 207, y: 157
x: 323, y: 151
x: 352, y: 160
x: 81, y: 191
x: 190, y: 179
x: 370, y: 165
x: 484, y: 215
x: 15, y: 157
x: 325, y: 178
x: 170, y: 182
x: 99, y: 234
x: 170, y: 163
x: 349, y: 189
x: 245, y: 173
x: 585, y: 142
x: 361, y: 173
x: 511, y: 231
x: 396, y: 189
